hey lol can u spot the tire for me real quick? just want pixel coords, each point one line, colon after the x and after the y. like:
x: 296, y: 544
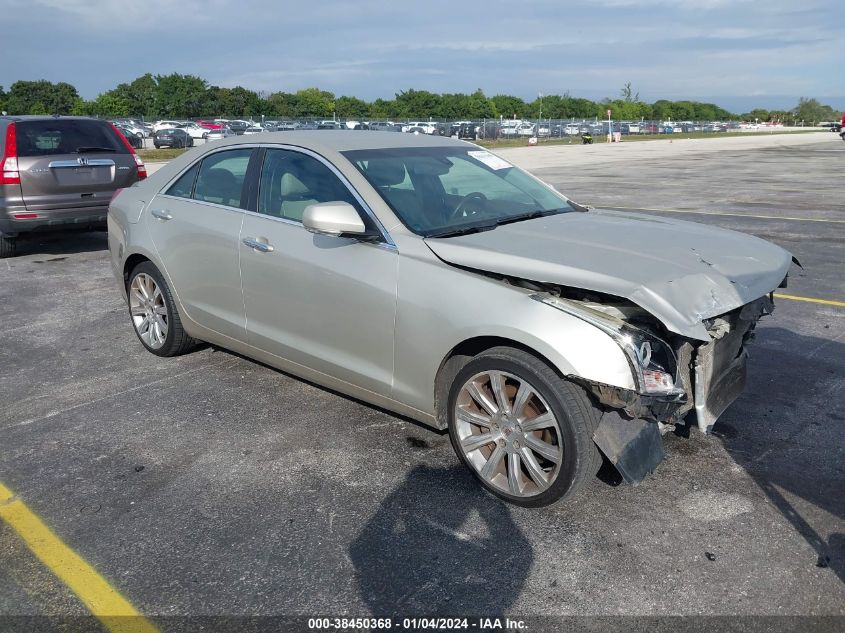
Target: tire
x: 175, y: 340
x: 568, y: 438
x: 8, y: 246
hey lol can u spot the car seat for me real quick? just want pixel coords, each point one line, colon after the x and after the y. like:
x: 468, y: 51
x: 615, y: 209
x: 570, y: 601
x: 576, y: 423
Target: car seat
x: 385, y: 174
x: 219, y: 186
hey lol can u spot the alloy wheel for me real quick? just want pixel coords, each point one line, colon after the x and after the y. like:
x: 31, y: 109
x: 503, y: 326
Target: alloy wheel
x: 508, y: 433
x: 148, y: 310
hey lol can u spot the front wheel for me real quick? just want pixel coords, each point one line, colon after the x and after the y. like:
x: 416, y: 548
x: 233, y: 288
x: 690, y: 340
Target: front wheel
x: 522, y: 430
x: 154, y: 315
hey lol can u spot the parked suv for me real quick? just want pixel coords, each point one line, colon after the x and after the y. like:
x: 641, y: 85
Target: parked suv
x: 59, y: 172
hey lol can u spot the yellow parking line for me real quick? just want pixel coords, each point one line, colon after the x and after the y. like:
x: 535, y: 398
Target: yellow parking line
x: 826, y: 302
x: 734, y: 215
x: 101, y: 599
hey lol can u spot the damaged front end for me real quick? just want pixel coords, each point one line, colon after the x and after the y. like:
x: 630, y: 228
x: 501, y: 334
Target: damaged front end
x: 673, y: 374
x: 719, y: 367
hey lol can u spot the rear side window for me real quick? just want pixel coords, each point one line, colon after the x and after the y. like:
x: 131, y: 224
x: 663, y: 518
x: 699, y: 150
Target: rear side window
x: 183, y: 187
x: 67, y: 136
x: 221, y: 178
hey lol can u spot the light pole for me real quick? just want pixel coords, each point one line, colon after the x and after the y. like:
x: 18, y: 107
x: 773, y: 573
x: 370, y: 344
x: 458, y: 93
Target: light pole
x: 540, y: 121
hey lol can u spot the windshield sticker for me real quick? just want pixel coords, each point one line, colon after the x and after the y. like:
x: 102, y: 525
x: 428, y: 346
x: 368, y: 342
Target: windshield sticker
x: 491, y: 160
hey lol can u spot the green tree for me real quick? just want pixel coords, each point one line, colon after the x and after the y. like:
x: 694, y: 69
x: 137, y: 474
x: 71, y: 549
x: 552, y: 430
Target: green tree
x: 38, y: 108
x: 579, y: 108
x: 622, y: 110
x: 83, y: 108
x: 2, y: 99
x: 313, y: 102
x: 628, y: 94
x: 110, y: 105
x: 662, y: 110
x: 811, y: 111
x: 508, y: 106
x: 351, y: 107
x: 61, y: 98
x: 280, y: 105
x: 180, y: 96
x: 705, y: 112
x: 382, y: 109
x: 41, y: 97
x: 479, y: 106
x: 236, y: 102
x: 140, y: 95
x: 683, y: 111
x: 418, y: 104
x: 757, y: 113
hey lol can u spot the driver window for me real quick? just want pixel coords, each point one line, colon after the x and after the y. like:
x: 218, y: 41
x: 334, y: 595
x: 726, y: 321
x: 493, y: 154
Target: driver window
x: 291, y: 181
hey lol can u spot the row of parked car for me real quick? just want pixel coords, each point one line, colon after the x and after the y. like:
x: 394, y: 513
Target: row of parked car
x: 177, y: 133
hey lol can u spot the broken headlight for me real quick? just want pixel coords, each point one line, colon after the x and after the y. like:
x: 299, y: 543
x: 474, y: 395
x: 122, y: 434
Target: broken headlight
x: 652, y: 360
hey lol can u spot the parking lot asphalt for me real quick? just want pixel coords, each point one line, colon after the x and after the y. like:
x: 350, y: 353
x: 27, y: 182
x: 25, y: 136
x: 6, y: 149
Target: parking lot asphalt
x: 212, y: 485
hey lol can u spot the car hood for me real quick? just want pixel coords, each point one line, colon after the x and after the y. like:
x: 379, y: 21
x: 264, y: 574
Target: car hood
x: 681, y: 272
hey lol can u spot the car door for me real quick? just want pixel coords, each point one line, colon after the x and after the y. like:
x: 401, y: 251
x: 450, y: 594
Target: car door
x: 195, y: 224
x: 324, y: 302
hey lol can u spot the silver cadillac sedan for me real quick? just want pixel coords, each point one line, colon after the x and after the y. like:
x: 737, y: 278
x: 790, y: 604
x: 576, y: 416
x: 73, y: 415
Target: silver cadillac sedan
x: 433, y: 278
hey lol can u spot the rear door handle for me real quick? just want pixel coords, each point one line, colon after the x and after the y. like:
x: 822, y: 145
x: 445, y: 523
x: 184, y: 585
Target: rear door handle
x: 161, y: 214
x: 259, y: 246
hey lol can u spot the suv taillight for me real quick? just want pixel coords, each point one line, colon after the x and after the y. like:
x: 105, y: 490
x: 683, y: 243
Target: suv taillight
x: 9, y: 164
x: 142, y: 169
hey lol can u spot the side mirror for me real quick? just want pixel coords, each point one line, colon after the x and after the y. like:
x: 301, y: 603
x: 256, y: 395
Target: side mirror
x: 333, y: 218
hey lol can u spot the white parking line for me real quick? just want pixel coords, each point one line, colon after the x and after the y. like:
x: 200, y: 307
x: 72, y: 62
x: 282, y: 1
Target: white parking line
x: 735, y: 215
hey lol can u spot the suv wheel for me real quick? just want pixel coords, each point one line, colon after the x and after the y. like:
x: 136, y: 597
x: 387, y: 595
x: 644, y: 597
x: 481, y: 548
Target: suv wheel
x: 154, y: 315
x: 8, y: 246
x: 522, y: 430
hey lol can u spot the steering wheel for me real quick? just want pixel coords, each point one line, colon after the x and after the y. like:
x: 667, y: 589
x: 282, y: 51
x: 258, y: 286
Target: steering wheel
x: 462, y: 211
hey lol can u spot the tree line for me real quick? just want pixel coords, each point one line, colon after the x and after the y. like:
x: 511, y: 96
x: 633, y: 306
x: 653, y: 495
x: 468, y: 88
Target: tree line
x: 179, y: 96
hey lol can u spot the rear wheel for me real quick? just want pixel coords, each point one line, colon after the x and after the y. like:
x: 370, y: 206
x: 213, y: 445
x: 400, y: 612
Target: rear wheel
x: 522, y: 430
x: 8, y: 246
x: 154, y: 315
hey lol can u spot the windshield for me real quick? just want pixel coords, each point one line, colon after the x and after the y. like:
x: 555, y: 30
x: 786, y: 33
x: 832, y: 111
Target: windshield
x: 437, y: 191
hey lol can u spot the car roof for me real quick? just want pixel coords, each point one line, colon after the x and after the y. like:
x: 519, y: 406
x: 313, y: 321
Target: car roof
x: 346, y: 140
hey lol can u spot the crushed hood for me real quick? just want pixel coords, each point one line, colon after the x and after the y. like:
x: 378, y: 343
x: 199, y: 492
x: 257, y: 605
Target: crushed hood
x: 681, y: 272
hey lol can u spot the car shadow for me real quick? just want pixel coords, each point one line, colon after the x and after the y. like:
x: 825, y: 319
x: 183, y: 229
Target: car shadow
x: 790, y: 441
x: 424, y: 553
x: 61, y: 242
x: 399, y: 416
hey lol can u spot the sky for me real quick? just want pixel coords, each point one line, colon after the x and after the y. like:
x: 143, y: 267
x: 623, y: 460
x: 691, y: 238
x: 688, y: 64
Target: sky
x: 737, y: 53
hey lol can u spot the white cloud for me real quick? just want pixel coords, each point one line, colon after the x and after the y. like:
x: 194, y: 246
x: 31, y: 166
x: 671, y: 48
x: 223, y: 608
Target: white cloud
x: 590, y: 47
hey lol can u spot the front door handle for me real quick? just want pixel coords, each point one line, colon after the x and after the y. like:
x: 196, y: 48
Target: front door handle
x: 161, y: 214
x: 259, y: 246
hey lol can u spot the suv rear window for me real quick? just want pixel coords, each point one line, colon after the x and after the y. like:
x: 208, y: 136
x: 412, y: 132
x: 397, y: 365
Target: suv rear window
x: 69, y: 136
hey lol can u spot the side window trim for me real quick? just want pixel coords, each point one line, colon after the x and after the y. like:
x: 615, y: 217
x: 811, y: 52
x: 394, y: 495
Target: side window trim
x: 386, y: 239
x: 164, y: 189
x: 252, y: 180
x: 190, y: 196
